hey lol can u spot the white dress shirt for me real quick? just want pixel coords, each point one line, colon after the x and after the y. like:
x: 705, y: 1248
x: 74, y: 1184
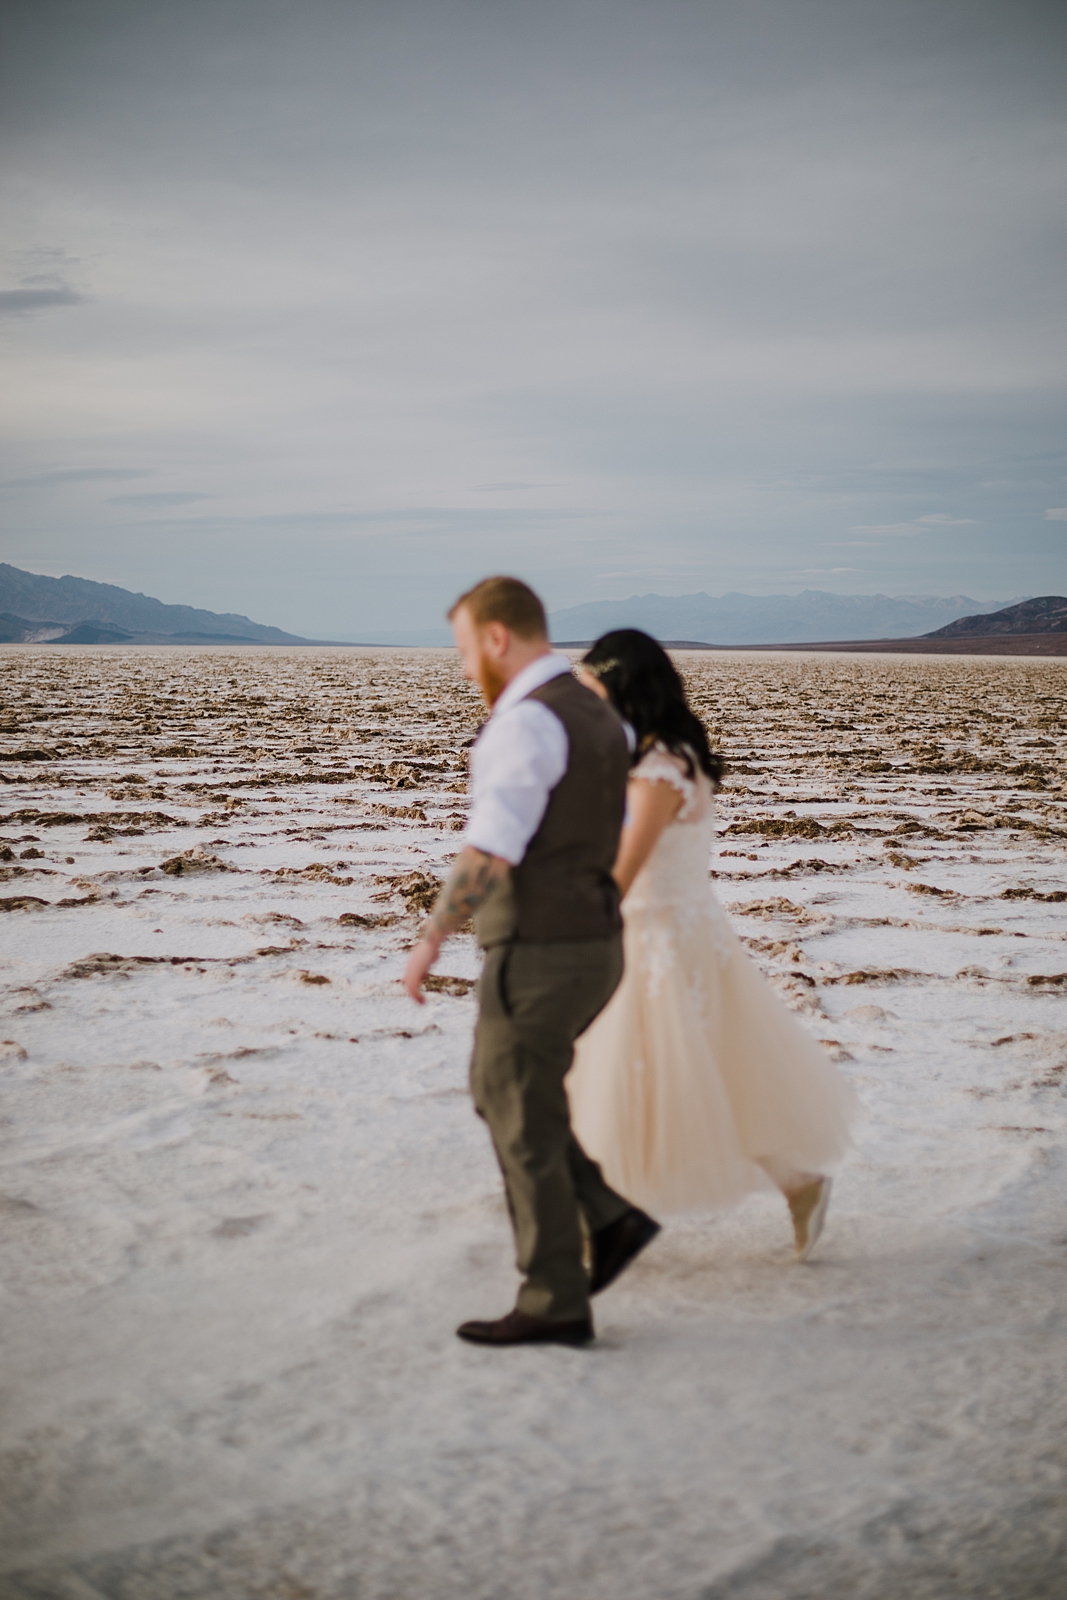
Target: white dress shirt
x: 519, y: 757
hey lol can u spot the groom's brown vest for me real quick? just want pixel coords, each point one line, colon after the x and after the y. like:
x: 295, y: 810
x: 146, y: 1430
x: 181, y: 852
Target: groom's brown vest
x: 562, y: 889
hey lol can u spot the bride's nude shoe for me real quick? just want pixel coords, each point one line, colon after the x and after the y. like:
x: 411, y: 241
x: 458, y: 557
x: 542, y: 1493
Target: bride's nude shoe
x: 808, y: 1208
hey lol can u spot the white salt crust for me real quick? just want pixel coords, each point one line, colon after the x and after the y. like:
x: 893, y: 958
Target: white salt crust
x: 242, y: 1208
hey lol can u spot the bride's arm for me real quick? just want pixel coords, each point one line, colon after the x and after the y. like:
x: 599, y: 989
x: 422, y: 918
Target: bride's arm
x: 650, y: 805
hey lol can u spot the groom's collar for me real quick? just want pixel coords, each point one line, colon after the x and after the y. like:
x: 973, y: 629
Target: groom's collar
x: 539, y: 672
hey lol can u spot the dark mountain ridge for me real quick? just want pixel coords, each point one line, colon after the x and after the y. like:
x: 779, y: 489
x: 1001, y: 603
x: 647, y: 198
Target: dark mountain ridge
x: 51, y: 610
x: 25, y: 630
x: 1045, y: 614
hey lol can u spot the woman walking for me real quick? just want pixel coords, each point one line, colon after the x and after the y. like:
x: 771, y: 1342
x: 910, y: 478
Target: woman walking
x: 696, y: 1084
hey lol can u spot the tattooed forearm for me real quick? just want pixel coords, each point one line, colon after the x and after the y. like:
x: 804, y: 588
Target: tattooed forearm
x: 470, y: 883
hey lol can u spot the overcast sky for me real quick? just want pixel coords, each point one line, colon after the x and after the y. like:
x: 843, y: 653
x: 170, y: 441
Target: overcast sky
x: 319, y: 311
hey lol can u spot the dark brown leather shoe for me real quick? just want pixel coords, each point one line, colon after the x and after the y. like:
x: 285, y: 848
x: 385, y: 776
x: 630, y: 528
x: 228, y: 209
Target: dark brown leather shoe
x: 519, y: 1328
x: 615, y: 1246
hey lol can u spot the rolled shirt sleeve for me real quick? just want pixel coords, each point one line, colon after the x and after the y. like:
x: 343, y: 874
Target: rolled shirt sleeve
x: 519, y: 758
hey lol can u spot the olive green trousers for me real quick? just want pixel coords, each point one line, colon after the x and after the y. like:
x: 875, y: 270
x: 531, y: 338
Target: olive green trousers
x: 533, y: 1002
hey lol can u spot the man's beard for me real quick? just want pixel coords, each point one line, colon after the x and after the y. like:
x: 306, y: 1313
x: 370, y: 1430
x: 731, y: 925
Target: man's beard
x: 489, y: 679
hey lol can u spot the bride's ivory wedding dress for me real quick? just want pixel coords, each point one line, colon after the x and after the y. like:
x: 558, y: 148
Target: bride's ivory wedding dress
x: 696, y: 1080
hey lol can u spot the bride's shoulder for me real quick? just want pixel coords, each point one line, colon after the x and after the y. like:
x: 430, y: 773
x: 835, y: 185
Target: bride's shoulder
x: 660, y: 765
x: 659, y: 762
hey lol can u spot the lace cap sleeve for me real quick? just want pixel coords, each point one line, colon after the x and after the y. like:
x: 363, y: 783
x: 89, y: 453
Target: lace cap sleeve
x: 658, y: 765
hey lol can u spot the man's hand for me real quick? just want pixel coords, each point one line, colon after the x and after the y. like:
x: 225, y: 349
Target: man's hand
x: 470, y: 883
x: 420, y: 962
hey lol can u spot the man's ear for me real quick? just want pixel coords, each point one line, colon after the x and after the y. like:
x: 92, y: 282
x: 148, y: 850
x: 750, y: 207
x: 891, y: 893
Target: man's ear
x: 495, y: 640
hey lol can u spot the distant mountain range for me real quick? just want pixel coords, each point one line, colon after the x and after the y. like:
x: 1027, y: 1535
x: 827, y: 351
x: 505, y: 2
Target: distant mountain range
x: 77, y: 611
x: 744, y: 619
x: 36, y: 609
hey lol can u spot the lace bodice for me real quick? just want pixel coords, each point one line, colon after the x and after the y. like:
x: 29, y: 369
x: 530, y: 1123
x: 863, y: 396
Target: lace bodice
x: 677, y: 870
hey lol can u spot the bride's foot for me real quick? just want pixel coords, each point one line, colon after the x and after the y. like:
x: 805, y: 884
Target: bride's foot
x: 807, y: 1207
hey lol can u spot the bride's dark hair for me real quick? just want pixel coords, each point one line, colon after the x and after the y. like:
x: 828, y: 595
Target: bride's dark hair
x: 644, y: 687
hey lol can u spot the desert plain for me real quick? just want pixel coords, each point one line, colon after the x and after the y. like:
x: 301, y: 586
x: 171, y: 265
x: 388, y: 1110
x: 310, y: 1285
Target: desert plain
x: 244, y: 1199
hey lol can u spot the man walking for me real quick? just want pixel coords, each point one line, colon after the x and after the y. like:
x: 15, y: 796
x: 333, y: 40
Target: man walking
x: 548, y: 780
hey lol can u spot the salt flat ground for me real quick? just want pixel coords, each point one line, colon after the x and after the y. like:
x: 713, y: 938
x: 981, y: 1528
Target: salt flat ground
x: 244, y: 1199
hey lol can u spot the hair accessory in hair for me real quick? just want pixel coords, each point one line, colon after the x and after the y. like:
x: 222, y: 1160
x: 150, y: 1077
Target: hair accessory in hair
x: 598, y: 669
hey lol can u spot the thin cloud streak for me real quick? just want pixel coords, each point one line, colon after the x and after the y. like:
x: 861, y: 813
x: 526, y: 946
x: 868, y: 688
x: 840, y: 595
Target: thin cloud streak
x: 446, y: 519
x: 21, y: 302
x: 934, y: 521
x: 163, y: 498
x: 51, y: 480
